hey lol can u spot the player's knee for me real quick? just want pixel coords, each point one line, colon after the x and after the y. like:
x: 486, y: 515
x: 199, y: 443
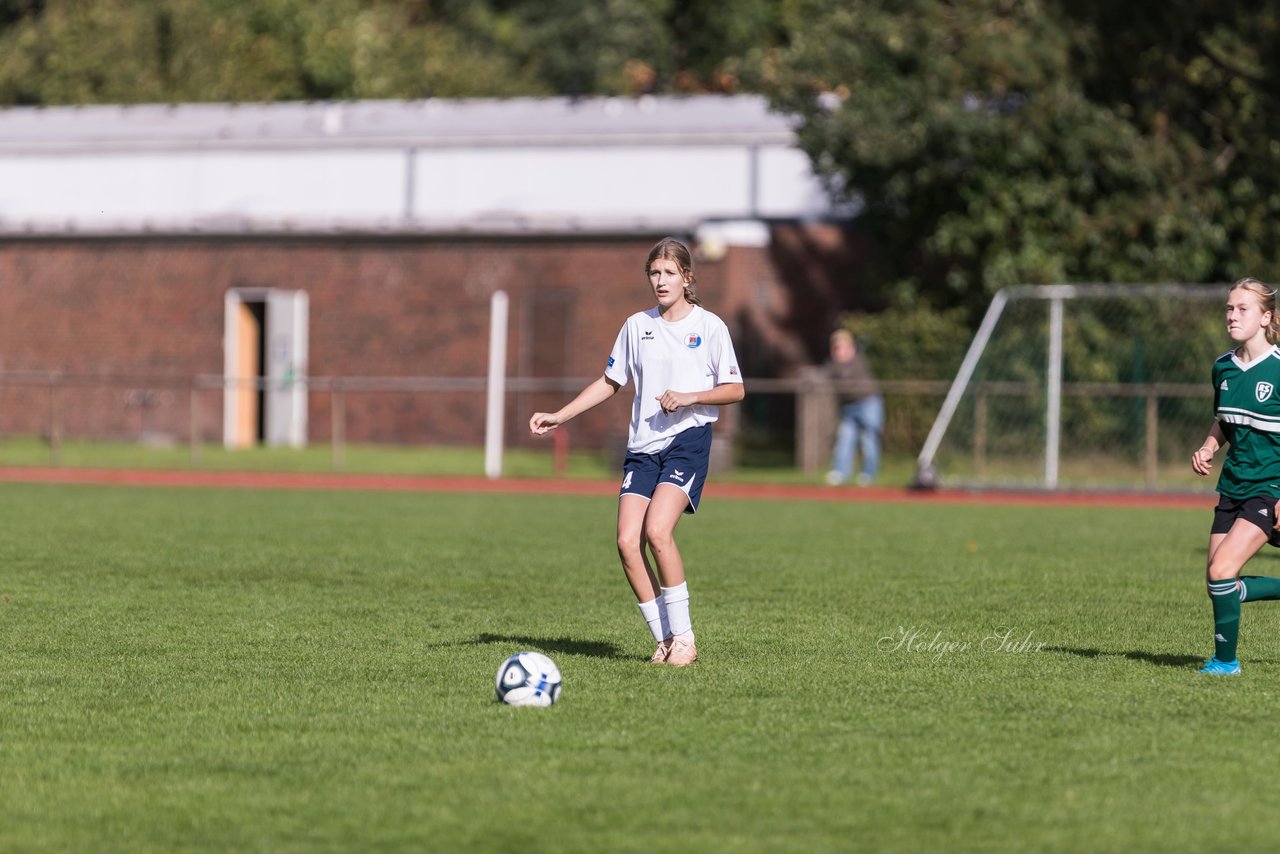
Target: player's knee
x: 629, y: 545
x: 1221, y: 570
x: 660, y: 537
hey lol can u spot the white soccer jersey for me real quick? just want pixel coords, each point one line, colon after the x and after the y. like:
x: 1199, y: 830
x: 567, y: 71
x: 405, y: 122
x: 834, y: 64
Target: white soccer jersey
x: 693, y: 354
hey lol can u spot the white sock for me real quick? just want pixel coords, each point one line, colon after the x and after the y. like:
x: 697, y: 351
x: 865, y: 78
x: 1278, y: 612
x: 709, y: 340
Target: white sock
x: 678, y: 609
x: 655, y: 614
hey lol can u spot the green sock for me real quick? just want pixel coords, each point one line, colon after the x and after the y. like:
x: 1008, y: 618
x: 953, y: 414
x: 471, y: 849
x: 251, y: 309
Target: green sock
x: 1258, y: 588
x: 1225, y: 596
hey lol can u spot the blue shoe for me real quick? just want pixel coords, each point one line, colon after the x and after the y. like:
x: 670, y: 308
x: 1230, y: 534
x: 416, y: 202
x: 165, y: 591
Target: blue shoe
x: 1214, y: 667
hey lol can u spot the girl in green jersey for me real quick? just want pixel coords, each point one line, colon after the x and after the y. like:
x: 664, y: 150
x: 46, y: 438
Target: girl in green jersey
x: 1246, y: 383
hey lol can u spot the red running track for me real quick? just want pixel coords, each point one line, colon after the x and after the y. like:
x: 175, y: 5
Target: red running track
x: 523, y: 486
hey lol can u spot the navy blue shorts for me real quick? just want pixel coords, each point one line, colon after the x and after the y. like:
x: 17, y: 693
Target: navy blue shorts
x: 683, y: 463
x: 1258, y: 511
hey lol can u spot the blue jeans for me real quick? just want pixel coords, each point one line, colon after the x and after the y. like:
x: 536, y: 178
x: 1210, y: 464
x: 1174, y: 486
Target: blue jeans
x: 861, y: 424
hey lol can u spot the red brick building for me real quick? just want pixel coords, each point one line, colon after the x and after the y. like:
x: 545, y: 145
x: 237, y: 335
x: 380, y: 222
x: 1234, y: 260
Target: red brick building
x: 123, y: 305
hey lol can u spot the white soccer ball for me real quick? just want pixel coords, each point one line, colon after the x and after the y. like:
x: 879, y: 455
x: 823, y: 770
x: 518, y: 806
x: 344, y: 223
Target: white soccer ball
x: 528, y: 679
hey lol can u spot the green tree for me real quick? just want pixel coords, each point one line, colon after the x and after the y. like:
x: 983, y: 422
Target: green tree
x: 995, y: 142
x: 715, y: 43
x: 16, y: 10
x: 113, y: 51
x: 609, y: 47
x: 60, y: 54
x: 1204, y: 76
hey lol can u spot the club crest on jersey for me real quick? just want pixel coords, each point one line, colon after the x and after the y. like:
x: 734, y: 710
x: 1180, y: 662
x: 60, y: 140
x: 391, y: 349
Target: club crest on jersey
x: 1263, y: 391
x: 693, y: 341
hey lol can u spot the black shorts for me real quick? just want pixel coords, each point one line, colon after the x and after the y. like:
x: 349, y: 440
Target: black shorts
x: 1259, y: 510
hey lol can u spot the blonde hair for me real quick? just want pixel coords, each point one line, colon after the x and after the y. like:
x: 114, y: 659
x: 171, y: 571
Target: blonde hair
x: 672, y: 249
x: 1266, y: 299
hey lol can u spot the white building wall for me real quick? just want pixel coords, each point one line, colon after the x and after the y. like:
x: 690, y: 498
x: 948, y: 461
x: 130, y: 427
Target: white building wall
x: 439, y: 166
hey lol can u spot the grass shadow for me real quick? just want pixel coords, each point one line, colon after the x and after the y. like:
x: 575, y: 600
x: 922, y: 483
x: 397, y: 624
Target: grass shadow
x: 564, y: 645
x: 1160, y: 659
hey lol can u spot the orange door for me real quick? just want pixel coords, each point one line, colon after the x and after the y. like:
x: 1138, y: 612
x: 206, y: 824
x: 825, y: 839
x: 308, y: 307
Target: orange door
x: 248, y: 368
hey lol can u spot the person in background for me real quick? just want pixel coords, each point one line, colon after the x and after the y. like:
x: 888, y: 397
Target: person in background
x: 861, y: 412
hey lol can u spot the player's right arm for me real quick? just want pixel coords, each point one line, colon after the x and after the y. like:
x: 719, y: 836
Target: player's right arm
x: 593, y: 395
x: 1202, y: 459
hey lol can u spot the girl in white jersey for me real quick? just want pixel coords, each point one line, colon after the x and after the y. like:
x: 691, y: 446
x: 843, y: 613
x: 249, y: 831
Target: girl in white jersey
x: 681, y: 360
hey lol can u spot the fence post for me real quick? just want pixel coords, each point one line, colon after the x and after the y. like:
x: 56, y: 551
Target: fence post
x: 980, y: 434
x: 560, y: 449
x: 1153, y: 438
x: 495, y: 394
x: 197, y: 425
x: 815, y: 411
x: 337, y: 424
x: 55, y: 439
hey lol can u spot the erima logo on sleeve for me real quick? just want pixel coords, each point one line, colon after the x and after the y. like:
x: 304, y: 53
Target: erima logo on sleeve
x: 610, y: 361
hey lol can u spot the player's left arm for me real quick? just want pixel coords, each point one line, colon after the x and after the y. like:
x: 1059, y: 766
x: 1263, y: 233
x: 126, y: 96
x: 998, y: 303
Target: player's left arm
x: 720, y: 395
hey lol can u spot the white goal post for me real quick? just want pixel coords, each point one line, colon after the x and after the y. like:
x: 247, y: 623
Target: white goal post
x: 1089, y: 386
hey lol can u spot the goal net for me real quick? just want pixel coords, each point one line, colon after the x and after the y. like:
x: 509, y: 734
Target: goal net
x: 1082, y: 387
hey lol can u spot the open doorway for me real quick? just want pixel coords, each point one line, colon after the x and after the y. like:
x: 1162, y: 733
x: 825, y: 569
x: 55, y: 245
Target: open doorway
x: 265, y: 368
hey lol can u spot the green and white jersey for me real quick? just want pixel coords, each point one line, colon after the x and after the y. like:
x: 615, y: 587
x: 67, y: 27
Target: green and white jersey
x: 1246, y: 402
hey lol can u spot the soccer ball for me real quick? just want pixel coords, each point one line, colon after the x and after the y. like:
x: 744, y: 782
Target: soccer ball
x: 528, y: 679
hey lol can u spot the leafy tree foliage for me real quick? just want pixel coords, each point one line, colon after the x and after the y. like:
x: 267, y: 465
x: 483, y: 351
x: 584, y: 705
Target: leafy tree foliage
x: 15, y: 10
x: 1202, y: 75
x: 607, y: 47
x: 117, y: 51
x: 980, y: 159
x: 995, y: 142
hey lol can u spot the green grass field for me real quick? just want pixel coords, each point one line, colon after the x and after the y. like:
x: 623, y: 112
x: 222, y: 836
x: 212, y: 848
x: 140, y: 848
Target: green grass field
x: 289, y: 671
x: 754, y: 466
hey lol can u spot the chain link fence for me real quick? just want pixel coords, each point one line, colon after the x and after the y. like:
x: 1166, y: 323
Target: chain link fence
x: 1074, y: 387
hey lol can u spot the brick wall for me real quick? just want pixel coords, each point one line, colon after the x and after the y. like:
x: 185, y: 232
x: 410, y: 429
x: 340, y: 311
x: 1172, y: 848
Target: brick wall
x: 148, y: 312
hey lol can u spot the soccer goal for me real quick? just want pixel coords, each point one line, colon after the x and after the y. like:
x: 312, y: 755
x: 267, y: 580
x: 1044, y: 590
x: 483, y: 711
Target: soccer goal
x: 1096, y: 386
